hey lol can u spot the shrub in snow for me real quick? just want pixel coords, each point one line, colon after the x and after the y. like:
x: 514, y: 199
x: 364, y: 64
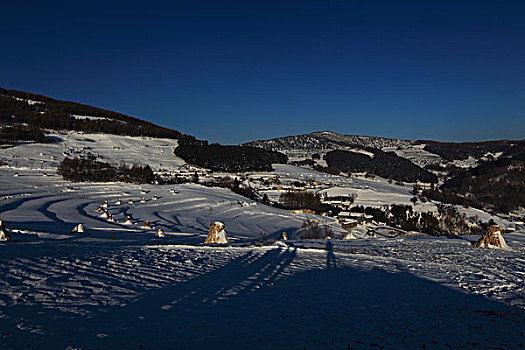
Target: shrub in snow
x: 217, y: 234
x: 146, y: 224
x: 311, y: 230
x: 492, y: 238
x: 283, y: 236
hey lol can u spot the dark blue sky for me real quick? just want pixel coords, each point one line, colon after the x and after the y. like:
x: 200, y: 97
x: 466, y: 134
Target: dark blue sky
x: 233, y: 71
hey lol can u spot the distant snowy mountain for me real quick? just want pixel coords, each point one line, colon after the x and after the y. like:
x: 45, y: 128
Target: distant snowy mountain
x: 305, y: 146
x: 423, y: 153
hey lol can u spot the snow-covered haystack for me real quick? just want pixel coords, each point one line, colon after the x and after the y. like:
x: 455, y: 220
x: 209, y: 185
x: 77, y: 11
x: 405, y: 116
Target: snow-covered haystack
x: 217, y: 234
x: 283, y: 236
x: 130, y: 201
x: 492, y: 238
x: 143, y: 192
x: 146, y: 224
x: 78, y: 229
x: 110, y: 218
x: 349, y: 235
x: 4, y: 235
x: 104, y: 214
x: 155, y: 197
x: 16, y: 175
x: 105, y: 204
x: 128, y: 221
x: 118, y: 202
x: 143, y: 200
x: 160, y: 233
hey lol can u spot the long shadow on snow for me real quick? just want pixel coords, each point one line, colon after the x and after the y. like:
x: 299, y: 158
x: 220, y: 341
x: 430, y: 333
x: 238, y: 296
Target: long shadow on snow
x: 234, y: 307
x: 243, y: 305
x: 17, y: 203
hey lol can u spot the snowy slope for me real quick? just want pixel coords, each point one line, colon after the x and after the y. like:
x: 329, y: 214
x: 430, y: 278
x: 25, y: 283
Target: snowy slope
x: 117, y: 286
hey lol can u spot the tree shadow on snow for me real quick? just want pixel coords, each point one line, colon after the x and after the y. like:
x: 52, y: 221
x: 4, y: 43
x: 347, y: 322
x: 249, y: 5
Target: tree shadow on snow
x: 260, y: 301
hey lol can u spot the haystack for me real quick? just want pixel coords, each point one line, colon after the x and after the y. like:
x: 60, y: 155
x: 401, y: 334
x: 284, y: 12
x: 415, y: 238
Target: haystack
x: 4, y: 235
x: 128, y: 221
x: 283, y: 236
x: 143, y: 200
x: 349, y: 235
x: 217, y: 234
x: 118, y: 202
x: 105, y: 204
x: 160, y: 233
x: 492, y: 238
x: 78, y: 229
x: 146, y: 224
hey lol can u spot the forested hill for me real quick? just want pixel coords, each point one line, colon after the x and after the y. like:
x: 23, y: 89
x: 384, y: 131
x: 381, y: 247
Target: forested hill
x: 32, y: 112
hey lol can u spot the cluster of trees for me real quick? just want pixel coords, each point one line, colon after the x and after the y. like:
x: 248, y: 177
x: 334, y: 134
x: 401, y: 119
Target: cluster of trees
x: 234, y: 185
x: 448, y: 196
x: 499, y: 183
x: 57, y: 115
x: 228, y: 158
x: 384, y: 164
x: 448, y: 219
x: 10, y: 133
x: 89, y: 169
x: 301, y: 200
x: 452, y: 151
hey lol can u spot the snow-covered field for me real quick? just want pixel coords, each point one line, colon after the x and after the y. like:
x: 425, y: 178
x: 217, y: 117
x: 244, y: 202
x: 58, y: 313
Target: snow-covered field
x: 117, y: 286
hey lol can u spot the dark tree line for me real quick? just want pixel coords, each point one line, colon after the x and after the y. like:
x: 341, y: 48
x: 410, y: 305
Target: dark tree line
x: 91, y: 170
x: 451, y: 151
x: 301, y: 200
x: 10, y: 133
x: 384, y: 164
x: 228, y: 158
x: 448, y: 196
x: 500, y: 183
x: 57, y: 115
x: 447, y: 221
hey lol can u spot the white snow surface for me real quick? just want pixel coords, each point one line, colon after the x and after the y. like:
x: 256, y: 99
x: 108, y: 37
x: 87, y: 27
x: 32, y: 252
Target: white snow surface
x: 117, y: 287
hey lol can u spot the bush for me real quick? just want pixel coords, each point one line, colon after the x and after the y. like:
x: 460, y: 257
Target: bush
x: 311, y: 230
